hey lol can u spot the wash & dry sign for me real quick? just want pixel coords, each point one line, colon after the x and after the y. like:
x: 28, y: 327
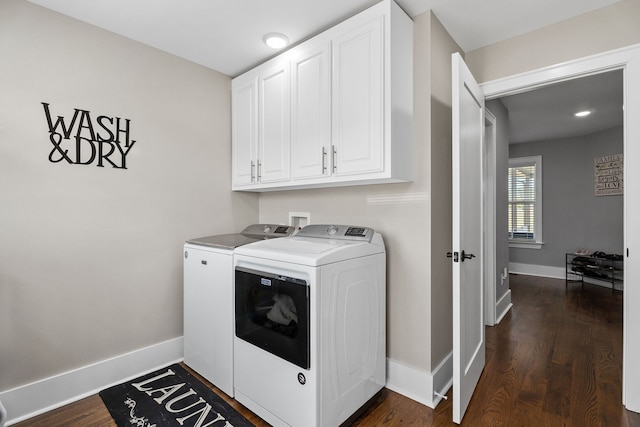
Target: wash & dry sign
x: 81, y: 139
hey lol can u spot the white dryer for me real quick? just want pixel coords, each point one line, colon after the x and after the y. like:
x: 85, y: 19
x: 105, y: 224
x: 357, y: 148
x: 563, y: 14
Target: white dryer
x: 309, y: 345
x: 208, y: 300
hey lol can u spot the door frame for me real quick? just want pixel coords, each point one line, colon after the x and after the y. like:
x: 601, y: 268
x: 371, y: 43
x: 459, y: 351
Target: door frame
x: 627, y: 59
x: 489, y: 227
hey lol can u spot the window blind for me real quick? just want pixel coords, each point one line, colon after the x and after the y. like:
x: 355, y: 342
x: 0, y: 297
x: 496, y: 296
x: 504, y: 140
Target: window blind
x: 522, y: 202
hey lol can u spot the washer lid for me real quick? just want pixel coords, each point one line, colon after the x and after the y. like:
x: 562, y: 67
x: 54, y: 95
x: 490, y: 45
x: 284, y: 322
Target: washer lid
x: 250, y: 234
x: 223, y: 241
x: 312, y: 251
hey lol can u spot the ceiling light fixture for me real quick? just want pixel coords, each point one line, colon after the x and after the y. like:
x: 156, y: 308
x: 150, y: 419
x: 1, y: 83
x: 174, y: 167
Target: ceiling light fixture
x: 275, y: 40
x: 582, y: 113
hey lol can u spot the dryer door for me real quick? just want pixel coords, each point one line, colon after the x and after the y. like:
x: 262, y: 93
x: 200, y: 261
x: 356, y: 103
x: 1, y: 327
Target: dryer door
x: 272, y: 313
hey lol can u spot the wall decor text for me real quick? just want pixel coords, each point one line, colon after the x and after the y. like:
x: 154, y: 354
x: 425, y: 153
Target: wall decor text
x: 608, y: 175
x: 84, y: 140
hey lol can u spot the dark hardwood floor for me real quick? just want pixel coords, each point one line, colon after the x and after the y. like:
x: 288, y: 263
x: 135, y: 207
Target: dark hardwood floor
x: 554, y: 360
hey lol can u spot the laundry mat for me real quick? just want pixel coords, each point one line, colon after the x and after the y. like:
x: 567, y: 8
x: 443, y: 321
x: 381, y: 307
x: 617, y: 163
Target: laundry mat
x: 169, y: 397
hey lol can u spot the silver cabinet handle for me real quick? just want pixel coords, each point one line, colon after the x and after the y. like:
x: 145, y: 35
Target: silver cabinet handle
x: 253, y: 176
x: 334, y: 158
x: 259, y: 170
x: 324, y: 161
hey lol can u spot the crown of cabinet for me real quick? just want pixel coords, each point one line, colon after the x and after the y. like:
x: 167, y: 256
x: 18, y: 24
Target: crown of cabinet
x: 335, y: 110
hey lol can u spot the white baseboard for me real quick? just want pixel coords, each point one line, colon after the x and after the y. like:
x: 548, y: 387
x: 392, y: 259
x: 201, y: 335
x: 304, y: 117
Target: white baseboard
x: 537, y: 270
x: 549, y: 271
x: 50, y: 393
x: 503, y: 306
x: 418, y: 385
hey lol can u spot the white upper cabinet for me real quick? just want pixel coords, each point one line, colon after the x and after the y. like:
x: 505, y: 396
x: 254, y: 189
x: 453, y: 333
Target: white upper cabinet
x: 335, y: 110
x: 274, y: 117
x: 311, y: 111
x: 358, y: 95
x: 244, y: 107
x: 261, y: 126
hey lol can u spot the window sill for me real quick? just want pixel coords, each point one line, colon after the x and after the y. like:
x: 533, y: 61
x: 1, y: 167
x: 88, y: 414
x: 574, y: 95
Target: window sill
x: 525, y: 245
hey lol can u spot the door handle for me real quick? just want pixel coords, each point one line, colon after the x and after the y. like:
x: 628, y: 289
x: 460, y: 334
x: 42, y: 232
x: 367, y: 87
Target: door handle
x: 459, y: 257
x: 466, y: 256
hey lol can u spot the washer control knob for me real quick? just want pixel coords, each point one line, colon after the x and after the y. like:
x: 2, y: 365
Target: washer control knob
x: 332, y: 230
x: 266, y: 229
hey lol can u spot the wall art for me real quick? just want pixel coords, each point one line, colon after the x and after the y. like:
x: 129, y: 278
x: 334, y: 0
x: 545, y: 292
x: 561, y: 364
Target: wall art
x: 608, y: 175
x: 81, y: 139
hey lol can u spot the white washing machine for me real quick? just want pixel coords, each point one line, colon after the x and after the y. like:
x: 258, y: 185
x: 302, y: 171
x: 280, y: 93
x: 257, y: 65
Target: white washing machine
x: 309, y: 345
x: 208, y: 300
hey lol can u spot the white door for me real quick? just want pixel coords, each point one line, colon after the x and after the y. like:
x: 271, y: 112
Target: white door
x: 468, y: 319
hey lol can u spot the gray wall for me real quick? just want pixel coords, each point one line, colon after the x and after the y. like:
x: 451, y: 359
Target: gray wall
x: 573, y: 217
x: 91, y: 257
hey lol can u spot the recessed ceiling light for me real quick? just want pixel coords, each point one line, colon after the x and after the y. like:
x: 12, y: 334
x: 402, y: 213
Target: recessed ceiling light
x: 275, y: 40
x: 582, y: 113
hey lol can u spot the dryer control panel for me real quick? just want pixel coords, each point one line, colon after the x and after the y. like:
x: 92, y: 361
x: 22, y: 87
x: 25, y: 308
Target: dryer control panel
x: 342, y: 232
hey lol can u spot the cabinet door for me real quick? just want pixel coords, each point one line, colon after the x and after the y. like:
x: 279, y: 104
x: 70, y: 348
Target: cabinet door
x: 311, y: 112
x: 244, y: 100
x: 358, y: 110
x: 273, y: 123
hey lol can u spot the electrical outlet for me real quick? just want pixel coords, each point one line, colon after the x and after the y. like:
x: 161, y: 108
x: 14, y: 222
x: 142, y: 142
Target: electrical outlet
x: 503, y: 276
x: 299, y: 220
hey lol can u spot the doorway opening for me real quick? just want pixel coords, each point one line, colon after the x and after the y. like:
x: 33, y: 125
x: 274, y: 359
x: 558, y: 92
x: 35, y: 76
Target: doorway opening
x: 627, y: 60
x: 538, y: 114
x: 581, y: 196
x: 580, y: 213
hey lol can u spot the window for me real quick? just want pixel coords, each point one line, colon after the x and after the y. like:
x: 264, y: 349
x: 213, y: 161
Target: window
x: 524, y: 202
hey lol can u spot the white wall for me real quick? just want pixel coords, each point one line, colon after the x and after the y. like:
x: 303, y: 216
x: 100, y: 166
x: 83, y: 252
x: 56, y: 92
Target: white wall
x: 91, y: 257
x: 602, y: 30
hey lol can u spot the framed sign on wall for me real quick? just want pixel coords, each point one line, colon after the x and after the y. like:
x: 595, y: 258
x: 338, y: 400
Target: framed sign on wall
x: 608, y: 175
